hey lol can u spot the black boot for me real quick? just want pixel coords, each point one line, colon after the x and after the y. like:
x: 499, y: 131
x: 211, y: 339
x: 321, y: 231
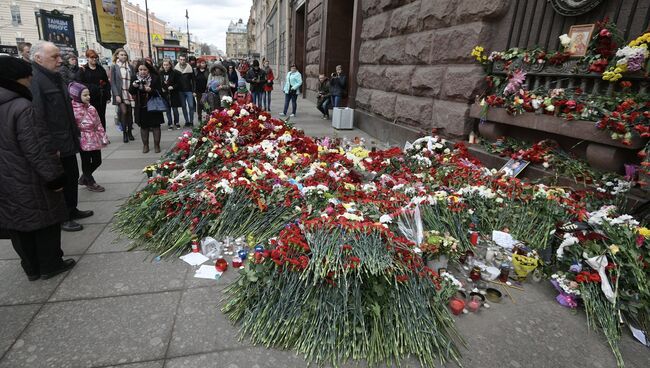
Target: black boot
x: 130, y: 132
x: 125, y: 137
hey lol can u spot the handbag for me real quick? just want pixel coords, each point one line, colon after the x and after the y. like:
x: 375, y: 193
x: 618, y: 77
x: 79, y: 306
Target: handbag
x: 156, y: 104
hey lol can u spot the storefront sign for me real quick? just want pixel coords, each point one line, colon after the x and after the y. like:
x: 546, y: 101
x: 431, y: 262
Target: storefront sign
x: 58, y: 28
x: 109, y: 23
x: 9, y: 50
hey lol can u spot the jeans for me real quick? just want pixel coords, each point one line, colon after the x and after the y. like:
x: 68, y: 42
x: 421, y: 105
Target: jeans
x: 90, y: 161
x: 187, y: 103
x: 293, y: 97
x: 336, y: 101
x: 323, y: 106
x: 267, y: 101
x: 71, y: 170
x: 169, y: 116
x: 258, y: 98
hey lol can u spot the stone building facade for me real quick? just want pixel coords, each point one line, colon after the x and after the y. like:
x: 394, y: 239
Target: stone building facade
x: 237, y: 40
x: 408, y: 61
x: 415, y: 71
x: 135, y: 25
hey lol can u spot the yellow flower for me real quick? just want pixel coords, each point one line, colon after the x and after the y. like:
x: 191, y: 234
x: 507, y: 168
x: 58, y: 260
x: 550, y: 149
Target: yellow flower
x: 644, y: 231
x: 288, y: 161
x: 614, y: 249
x: 235, y: 148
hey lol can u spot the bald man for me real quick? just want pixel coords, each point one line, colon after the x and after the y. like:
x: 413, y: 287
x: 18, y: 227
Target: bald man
x: 52, y: 104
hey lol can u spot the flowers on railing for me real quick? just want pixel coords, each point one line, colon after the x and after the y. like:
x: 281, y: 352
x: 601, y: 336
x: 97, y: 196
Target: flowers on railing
x: 632, y: 58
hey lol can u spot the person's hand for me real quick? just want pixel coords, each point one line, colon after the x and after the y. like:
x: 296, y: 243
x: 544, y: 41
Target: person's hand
x: 59, y: 190
x: 148, y: 89
x: 58, y: 153
x: 170, y: 88
x: 118, y: 99
x: 193, y: 94
x: 136, y: 84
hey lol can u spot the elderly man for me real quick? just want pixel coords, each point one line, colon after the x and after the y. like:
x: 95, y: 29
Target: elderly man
x: 52, y: 104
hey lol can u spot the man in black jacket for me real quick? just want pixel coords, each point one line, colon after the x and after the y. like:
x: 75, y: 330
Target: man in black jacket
x: 186, y: 89
x: 338, y: 85
x: 257, y: 78
x: 323, y: 99
x: 52, y: 105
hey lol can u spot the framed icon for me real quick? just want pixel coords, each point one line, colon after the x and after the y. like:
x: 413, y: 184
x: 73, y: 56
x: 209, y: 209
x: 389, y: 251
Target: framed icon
x: 580, y: 36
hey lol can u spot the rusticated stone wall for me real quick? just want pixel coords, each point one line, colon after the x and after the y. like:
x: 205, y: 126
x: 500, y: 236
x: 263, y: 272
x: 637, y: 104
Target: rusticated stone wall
x: 313, y: 46
x: 415, y: 68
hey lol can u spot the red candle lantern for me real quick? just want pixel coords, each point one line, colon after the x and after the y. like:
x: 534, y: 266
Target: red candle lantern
x: 473, y: 238
x: 475, y: 274
x: 236, y: 262
x: 456, y: 306
x: 221, y: 265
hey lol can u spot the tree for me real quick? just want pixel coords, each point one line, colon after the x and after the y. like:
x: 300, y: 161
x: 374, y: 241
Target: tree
x: 205, y: 48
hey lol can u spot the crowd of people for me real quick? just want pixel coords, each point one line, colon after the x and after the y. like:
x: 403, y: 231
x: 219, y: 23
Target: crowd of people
x: 53, y: 109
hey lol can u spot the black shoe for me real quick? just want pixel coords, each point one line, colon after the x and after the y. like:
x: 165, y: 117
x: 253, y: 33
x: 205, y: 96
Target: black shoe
x: 33, y: 277
x: 188, y: 125
x: 131, y: 137
x: 125, y: 137
x: 67, y: 265
x: 71, y: 226
x: 77, y: 214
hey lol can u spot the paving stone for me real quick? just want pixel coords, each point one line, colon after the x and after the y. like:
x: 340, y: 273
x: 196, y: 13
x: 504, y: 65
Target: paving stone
x: 245, y: 358
x: 109, y: 241
x: 16, y: 289
x: 110, y: 274
x: 12, y: 321
x: 200, y: 326
x: 104, y: 211
x: 155, y: 364
x: 104, y: 177
x: 128, y: 163
x: 114, y: 192
x: 76, y: 243
x: 96, y: 332
x: 7, y: 250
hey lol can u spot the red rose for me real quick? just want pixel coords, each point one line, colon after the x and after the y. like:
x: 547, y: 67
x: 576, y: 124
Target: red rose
x: 605, y: 33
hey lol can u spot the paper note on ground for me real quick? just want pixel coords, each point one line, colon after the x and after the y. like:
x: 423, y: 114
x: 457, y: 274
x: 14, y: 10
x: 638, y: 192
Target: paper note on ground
x: 194, y: 259
x: 503, y: 239
x: 207, y: 272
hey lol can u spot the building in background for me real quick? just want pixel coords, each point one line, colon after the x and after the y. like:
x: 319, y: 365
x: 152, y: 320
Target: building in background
x: 271, y: 23
x: 135, y: 25
x: 18, y: 22
x: 237, y: 40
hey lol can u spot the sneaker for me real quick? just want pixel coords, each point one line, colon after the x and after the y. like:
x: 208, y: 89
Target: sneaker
x: 292, y: 115
x: 66, y: 265
x: 283, y: 114
x: 188, y: 125
x: 96, y: 188
x: 178, y: 126
x: 71, y: 226
x: 77, y: 214
x: 324, y: 117
x: 170, y: 128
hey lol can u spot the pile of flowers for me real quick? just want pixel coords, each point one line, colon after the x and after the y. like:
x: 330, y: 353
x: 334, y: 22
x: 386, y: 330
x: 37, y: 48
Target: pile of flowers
x: 325, y: 217
x: 624, y: 114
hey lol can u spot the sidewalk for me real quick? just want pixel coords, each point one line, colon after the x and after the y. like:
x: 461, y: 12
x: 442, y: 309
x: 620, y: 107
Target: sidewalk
x: 120, y: 308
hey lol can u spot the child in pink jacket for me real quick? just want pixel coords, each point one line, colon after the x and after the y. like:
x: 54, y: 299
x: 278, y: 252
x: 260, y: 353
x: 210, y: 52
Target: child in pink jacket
x: 93, y: 135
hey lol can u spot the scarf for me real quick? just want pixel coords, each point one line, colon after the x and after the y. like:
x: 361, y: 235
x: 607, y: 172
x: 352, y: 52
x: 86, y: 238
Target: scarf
x: 187, y: 69
x: 125, y: 74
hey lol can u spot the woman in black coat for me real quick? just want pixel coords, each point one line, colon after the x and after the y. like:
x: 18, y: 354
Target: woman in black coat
x: 233, y: 78
x: 145, y: 86
x: 169, y: 82
x: 94, y: 76
x: 31, y: 194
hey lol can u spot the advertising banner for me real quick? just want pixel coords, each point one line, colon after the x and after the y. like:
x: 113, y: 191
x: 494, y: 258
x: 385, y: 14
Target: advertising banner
x: 109, y: 23
x: 9, y: 50
x: 59, y: 29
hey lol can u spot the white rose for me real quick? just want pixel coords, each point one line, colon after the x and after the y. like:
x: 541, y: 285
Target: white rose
x: 550, y: 108
x: 565, y: 40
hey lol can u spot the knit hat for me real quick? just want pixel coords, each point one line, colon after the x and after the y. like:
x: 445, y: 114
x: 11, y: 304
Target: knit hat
x: 12, y: 68
x: 75, y: 89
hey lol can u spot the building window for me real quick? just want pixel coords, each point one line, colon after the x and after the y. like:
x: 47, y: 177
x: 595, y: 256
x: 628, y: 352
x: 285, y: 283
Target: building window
x: 15, y: 15
x: 20, y: 39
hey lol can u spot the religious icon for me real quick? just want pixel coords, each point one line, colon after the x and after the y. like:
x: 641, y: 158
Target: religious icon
x: 580, y: 37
